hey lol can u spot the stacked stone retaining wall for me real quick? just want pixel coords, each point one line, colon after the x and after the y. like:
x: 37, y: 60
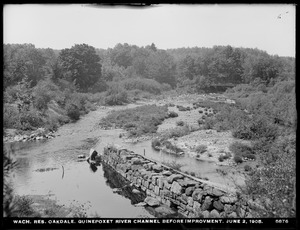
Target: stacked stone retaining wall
x: 193, y: 199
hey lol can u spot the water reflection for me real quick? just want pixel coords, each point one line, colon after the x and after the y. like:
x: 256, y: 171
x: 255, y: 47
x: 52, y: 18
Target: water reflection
x: 115, y: 180
x: 93, y: 167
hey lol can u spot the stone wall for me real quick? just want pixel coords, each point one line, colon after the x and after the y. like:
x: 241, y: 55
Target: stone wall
x: 163, y: 185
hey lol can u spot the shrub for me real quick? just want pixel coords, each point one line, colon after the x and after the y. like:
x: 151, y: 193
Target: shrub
x: 137, y: 121
x: 201, y: 149
x: 172, y: 114
x: 155, y: 143
x: 172, y: 147
x: 143, y: 84
x: 73, y: 111
x: 247, y: 168
x: 200, y: 121
x: 29, y: 120
x: 179, y: 123
x: 209, y: 123
x: 176, y: 132
x: 237, y: 159
x: 10, y: 116
x: 240, y: 149
x: 116, y: 95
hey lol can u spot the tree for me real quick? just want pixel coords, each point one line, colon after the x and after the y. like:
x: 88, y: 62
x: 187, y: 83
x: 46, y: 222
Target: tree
x: 22, y: 61
x: 80, y: 64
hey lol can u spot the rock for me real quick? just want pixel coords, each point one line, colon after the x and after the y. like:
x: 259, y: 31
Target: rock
x: 189, y: 191
x: 135, y: 161
x: 228, y: 208
x: 115, y: 190
x: 218, y: 205
x: 205, y: 214
x: 217, y: 192
x: 214, y: 214
x: 157, y: 168
x: 164, y: 211
x: 174, y: 177
x: 135, y: 191
x: 151, y: 201
x: 232, y: 215
x: 140, y: 204
x: 176, y: 188
x: 207, y: 203
x: 197, y: 194
x: 166, y: 173
x: 81, y: 156
x: 228, y: 199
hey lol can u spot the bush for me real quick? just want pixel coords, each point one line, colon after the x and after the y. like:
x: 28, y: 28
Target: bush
x: 201, y: 149
x: 237, y: 159
x: 155, y: 143
x: 10, y: 117
x: 172, y: 147
x: 116, y: 95
x: 73, y: 112
x: 29, y: 120
x: 137, y: 121
x: 176, y: 132
x: 240, y: 149
x: 179, y: 123
x: 172, y: 114
x: 143, y: 84
x: 247, y: 168
x: 200, y: 121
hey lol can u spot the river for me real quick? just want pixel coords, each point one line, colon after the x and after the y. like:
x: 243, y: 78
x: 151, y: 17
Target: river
x: 52, y: 168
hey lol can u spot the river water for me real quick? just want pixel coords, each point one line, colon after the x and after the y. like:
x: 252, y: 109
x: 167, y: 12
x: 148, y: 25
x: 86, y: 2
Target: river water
x: 52, y: 168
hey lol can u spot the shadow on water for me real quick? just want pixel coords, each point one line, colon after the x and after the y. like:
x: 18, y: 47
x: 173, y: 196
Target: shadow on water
x: 116, y: 181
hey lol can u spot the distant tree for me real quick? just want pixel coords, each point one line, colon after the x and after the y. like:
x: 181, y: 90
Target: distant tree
x: 22, y: 61
x: 80, y: 64
x: 161, y: 67
x: 121, y: 55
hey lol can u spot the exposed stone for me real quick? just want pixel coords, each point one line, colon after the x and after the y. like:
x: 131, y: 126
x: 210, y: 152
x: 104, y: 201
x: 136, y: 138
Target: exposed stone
x: 214, y: 214
x: 151, y: 201
x: 156, y: 190
x: 167, y: 185
x: 197, y: 194
x: 228, y: 208
x: 164, y: 211
x: 157, y: 168
x: 232, y: 215
x: 174, y: 177
x: 161, y: 182
x: 196, y: 206
x: 217, y: 192
x: 167, y: 173
x: 189, y: 191
x: 228, y: 199
x: 189, y: 182
x: 150, y: 165
x: 141, y: 204
x: 205, y: 214
x: 218, y: 205
x: 165, y: 193
x: 190, y: 201
x: 135, y: 161
x: 207, y: 203
x: 135, y: 191
x: 176, y: 188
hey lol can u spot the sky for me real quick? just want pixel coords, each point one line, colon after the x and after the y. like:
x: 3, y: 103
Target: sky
x: 269, y: 27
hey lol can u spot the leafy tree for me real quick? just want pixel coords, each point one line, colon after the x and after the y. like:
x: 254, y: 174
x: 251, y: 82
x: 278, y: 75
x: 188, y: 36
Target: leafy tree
x: 121, y: 55
x: 22, y: 61
x: 80, y: 64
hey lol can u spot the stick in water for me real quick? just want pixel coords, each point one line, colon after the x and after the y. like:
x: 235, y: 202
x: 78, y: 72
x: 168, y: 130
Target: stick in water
x: 63, y: 172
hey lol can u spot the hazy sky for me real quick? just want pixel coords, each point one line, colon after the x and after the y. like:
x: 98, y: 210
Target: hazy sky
x: 266, y: 27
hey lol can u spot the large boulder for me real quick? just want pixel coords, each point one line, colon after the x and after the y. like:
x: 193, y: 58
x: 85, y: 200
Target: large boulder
x: 151, y: 201
x: 176, y: 188
x: 174, y: 177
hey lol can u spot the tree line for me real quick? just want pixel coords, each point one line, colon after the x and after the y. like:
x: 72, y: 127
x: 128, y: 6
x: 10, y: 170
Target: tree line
x: 195, y: 69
